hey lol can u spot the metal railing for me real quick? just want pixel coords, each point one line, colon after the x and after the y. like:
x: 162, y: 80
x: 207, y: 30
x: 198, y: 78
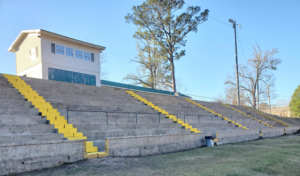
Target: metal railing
x: 211, y: 118
x: 158, y: 114
x: 137, y: 88
x: 120, y: 112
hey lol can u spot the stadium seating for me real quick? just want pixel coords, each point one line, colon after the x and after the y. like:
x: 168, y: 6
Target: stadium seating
x: 36, y: 111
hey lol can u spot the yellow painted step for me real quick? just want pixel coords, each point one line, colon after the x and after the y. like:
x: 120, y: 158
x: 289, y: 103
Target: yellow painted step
x: 92, y: 149
x: 53, y: 122
x: 76, y: 138
x: 67, y: 130
x: 89, y: 144
x: 78, y: 134
x: 66, y: 135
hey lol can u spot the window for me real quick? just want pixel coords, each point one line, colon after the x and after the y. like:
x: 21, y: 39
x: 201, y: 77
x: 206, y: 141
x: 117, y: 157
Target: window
x: 78, y: 54
x: 52, y: 48
x: 60, y: 49
x: 87, y: 56
x: 92, y: 57
x: 72, y: 77
x: 33, y: 53
x: 69, y: 51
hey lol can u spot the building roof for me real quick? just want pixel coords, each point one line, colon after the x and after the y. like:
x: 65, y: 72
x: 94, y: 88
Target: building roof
x: 42, y: 32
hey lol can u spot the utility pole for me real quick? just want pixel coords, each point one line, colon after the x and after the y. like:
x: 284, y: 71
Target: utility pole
x: 236, y: 61
x: 269, y: 98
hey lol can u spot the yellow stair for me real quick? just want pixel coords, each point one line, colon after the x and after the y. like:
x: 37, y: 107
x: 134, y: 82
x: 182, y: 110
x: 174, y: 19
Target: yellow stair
x: 278, y: 121
x: 218, y: 114
x: 54, y: 117
x: 157, y: 108
x: 248, y: 115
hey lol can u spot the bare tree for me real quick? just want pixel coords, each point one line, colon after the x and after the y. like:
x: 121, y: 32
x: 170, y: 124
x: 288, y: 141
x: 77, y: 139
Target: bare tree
x: 257, y: 69
x: 154, y: 70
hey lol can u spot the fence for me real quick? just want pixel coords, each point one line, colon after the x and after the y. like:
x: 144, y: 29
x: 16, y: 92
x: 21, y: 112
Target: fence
x: 116, y: 112
x: 212, y: 119
x: 137, y: 88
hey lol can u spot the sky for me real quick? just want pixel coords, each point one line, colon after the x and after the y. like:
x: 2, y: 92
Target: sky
x: 210, y: 53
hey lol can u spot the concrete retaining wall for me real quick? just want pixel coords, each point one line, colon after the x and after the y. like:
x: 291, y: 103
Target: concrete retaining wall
x: 35, y: 156
x: 225, y: 137
x: 291, y: 130
x: 272, y: 132
x: 152, y: 145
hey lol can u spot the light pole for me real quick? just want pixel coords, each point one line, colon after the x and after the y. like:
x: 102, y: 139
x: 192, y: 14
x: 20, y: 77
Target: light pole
x: 236, y: 60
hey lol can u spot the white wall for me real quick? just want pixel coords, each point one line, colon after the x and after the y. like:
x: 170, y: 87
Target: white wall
x: 68, y: 63
x: 32, y: 72
x: 23, y: 61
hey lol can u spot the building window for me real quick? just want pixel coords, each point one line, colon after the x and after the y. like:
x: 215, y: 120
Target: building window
x: 60, y: 49
x: 92, y: 57
x: 69, y: 51
x: 52, y: 48
x: 33, y: 53
x: 87, y: 56
x: 72, y: 77
x: 78, y: 54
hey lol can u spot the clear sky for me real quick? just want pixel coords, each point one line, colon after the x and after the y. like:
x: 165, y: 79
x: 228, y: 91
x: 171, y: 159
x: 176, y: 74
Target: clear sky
x: 210, y: 53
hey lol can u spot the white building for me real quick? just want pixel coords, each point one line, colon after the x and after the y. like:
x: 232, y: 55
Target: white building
x: 46, y: 55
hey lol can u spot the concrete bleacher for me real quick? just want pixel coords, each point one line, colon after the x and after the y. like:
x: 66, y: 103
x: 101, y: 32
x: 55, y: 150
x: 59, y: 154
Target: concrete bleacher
x: 108, y: 114
x: 27, y: 142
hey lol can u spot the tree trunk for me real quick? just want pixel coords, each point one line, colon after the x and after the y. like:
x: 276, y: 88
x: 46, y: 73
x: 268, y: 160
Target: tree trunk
x: 173, y: 74
x: 257, y: 96
x: 254, y: 100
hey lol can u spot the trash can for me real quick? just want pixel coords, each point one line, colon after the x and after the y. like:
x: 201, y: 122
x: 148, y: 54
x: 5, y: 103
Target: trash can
x: 209, y: 141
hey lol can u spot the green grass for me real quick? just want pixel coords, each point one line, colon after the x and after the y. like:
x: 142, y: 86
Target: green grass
x: 273, y: 156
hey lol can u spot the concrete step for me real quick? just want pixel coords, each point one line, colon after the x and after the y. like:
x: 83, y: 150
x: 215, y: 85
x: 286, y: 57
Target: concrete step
x: 118, y: 120
x: 26, y: 129
x: 18, y: 111
x: 19, y: 139
x: 8, y: 90
x: 101, y: 135
x: 104, y: 107
x: 5, y: 83
x: 21, y: 119
x: 100, y: 144
x: 11, y: 96
x: 116, y: 127
x: 15, y: 103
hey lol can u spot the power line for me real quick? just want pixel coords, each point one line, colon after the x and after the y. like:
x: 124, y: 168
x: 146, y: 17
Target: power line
x: 241, y: 46
x: 219, y: 21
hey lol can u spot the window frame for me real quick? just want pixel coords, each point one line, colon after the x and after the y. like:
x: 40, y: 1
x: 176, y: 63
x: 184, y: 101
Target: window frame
x: 68, y: 52
x: 60, y: 48
x: 77, y: 54
x: 84, y: 56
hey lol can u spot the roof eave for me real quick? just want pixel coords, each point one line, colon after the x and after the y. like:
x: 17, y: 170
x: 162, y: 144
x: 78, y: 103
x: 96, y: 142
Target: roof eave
x: 65, y: 38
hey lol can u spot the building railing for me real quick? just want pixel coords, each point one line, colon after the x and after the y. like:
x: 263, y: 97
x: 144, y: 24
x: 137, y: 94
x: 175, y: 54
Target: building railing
x: 137, y: 88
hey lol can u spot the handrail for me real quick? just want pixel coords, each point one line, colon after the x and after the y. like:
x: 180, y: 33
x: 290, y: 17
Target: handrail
x: 216, y: 116
x: 263, y: 114
x: 136, y: 113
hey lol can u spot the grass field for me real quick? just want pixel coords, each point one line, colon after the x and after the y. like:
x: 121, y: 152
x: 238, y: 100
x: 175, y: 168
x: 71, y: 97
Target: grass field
x: 273, y: 156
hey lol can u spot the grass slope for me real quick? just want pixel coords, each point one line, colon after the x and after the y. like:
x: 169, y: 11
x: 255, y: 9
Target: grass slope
x: 273, y: 156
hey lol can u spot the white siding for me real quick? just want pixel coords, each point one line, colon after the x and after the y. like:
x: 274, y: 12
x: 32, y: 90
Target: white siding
x: 23, y: 61
x: 68, y: 63
x: 32, y: 72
